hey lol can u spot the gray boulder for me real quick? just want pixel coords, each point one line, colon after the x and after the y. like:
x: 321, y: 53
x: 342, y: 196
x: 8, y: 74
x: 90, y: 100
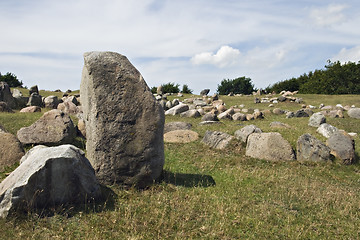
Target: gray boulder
x: 243, y: 134
x: 193, y: 113
x: 4, y: 107
x: 342, y: 146
x: 204, y: 92
x: 6, y: 96
x: 239, y: 117
x: 31, y: 109
x: 177, y: 109
x: 278, y: 111
x: 11, y: 150
x: 215, y: 139
x: 53, y: 128
x: 269, y: 146
x: 68, y: 107
x: 317, y: 119
x: 168, y: 105
x: 35, y: 100
x: 181, y: 136
x: 172, y: 126
x: 310, y: 148
x: 301, y: 113
x: 210, y: 117
x: 51, y: 102
x: 48, y: 177
x: 326, y: 130
x: 124, y: 122
x: 354, y: 113
x: 34, y: 89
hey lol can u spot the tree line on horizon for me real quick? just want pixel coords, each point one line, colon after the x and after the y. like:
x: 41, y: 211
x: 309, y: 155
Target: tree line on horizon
x: 336, y: 78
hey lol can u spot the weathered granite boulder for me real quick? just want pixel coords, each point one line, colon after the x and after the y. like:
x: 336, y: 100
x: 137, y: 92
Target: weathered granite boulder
x: 31, y: 109
x: 326, y: 130
x: 48, y: 177
x: 239, y: 117
x: 181, y: 136
x: 124, y: 122
x: 11, y: 150
x: 34, y: 89
x: 193, y: 113
x: 333, y: 113
x: 301, y: 113
x: 35, y: 100
x: 53, y: 128
x: 51, y: 102
x: 269, y: 146
x: 218, y: 140
x: 180, y: 108
x: 171, y: 126
x: 243, y: 134
x: 209, y: 117
x: 310, y: 148
x: 68, y: 107
x: 354, y: 113
x: 4, y: 107
x: 342, y: 146
x: 278, y: 111
x: 6, y: 96
x: 81, y: 127
x: 205, y: 92
x: 317, y: 119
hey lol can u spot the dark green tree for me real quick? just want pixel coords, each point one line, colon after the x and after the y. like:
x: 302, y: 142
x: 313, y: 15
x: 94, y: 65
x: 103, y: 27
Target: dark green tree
x: 186, y: 89
x: 241, y: 85
x: 170, y: 88
x: 11, y: 80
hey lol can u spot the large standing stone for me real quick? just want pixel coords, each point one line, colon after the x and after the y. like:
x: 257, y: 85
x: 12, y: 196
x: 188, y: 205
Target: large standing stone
x: 269, y: 146
x: 205, y: 92
x: 317, y: 119
x: 35, y: 100
x: 218, y: 140
x: 34, y: 89
x: 11, y: 150
x: 342, y: 146
x: 124, y: 122
x: 6, y: 96
x: 47, y: 177
x: 354, y: 113
x: 310, y: 148
x: 243, y: 134
x: 53, y: 128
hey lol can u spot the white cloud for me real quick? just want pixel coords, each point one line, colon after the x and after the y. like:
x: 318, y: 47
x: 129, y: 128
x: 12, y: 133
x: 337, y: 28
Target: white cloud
x: 226, y: 56
x: 329, y: 15
x: 348, y: 55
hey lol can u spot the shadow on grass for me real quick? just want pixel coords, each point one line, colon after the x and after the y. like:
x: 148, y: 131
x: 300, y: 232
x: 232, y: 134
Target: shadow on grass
x: 187, y: 179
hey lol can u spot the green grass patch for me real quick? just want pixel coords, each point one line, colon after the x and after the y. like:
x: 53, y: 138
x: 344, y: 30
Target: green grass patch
x: 218, y: 194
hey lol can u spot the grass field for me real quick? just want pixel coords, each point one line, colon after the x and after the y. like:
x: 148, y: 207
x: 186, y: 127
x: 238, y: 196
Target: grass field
x: 218, y: 194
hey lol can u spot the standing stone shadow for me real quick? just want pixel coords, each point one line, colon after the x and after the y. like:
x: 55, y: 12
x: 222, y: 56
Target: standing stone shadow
x: 187, y: 179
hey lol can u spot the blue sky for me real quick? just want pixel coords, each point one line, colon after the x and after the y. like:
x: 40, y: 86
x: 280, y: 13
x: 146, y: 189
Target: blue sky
x: 197, y: 42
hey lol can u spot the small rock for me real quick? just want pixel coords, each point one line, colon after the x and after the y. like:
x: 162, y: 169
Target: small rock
x: 177, y: 109
x: 239, y: 117
x: 31, y: 109
x: 210, y: 117
x: 193, y: 113
x: 181, y: 136
x: 301, y: 113
x: 172, y: 126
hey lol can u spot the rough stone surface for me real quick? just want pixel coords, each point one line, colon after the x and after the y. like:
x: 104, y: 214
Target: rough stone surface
x: 215, y: 139
x: 278, y: 111
x: 31, y: 109
x: 68, y: 107
x: 181, y: 136
x: 81, y: 127
x: 317, y: 119
x: 11, y: 150
x: 49, y: 177
x: 172, y: 126
x: 310, y: 148
x: 124, y: 122
x: 209, y: 122
x: 354, y: 113
x: 333, y: 113
x: 239, y: 117
x: 204, y: 92
x: 51, y: 102
x: 210, y: 117
x: 269, y: 146
x: 301, y: 113
x: 342, y: 146
x: 6, y: 96
x: 4, y: 107
x: 53, y: 128
x: 193, y: 113
x: 326, y: 130
x: 177, y: 109
x: 35, y: 100
x: 34, y: 89
x: 243, y: 134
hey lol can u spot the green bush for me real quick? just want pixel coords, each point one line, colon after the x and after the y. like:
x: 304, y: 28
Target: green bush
x: 170, y: 88
x: 186, y: 89
x: 11, y: 79
x: 241, y: 85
